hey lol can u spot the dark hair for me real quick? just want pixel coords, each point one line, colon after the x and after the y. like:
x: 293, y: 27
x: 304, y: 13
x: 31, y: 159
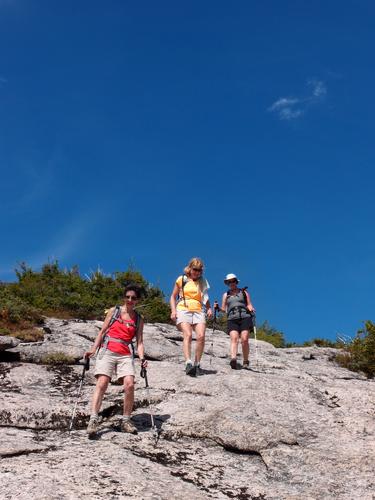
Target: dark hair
x: 133, y: 288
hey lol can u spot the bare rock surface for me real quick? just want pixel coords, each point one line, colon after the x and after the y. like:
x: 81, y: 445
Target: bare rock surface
x: 296, y: 426
x: 7, y: 342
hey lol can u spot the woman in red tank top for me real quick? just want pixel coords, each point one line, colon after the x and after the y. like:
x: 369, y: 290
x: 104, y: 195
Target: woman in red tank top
x: 114, y: 341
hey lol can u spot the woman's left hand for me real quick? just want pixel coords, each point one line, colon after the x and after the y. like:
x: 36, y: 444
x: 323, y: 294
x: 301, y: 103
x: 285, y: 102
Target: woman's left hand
x: 143, y: 363
x: 209, y: 312
x: 251, y: 309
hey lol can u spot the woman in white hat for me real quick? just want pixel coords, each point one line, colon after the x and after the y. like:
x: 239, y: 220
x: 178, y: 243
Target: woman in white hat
x: 237, y: 304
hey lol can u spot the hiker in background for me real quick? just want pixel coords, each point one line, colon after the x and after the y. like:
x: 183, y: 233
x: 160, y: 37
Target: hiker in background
x: 188, y: 297
x: 237, y: 304
x: 116, y: 355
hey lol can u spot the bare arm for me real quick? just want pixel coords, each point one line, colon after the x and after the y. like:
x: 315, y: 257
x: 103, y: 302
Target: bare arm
x: 249, y: 306
x: 139, y: 338
x: 173, y: 300
x: 99, y: 338
x: 224, y: 302
x: 208, y: 309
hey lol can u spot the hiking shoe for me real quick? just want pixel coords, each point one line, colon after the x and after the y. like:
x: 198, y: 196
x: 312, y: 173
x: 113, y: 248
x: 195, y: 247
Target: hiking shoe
x: 128, y: 426
x: 246, y: 365
x: 198, y: 370
x: 190, y: 369
x: 93, y: 426
x: 233, y: 364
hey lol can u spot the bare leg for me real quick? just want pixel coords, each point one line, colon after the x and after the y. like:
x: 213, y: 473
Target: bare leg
x: 234, y: 336
x: 187, y: 332
x: 128, y: 395
x: 200, y: 331
x: 245, y: 345
x: 101, y: 386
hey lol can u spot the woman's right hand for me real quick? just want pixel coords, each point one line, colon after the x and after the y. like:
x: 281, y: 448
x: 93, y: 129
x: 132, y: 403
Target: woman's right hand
x: 173, y: 316
x: 88, y: 354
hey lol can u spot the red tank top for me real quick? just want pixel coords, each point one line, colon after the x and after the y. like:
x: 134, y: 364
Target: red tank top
x: 124, y: 331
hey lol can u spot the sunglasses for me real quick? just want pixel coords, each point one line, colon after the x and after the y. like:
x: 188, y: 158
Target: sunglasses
x: 231, y: 281
x: 197, y: 270
x: 131, y: 297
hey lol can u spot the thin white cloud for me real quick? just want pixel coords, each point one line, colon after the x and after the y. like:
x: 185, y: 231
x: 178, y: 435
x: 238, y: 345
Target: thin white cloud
x: 289, y: 113
x: 283, y: 103
x: 66, y: 244
x: 290, y: 108
x: 318, y: 88
x: 37, y: 182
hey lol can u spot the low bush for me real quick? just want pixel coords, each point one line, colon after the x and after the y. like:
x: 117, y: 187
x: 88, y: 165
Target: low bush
x: 359, y: 354
x: 29, y: 335
x: 57, y: 358
x: 320, y: 342
x: 270, y: 334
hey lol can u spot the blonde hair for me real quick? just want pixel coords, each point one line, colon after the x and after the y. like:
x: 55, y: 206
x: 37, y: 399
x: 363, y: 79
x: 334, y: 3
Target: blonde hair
x: 194, y: 262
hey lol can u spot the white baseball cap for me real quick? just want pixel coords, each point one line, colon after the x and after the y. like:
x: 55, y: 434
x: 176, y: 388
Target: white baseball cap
x: 229, y: 277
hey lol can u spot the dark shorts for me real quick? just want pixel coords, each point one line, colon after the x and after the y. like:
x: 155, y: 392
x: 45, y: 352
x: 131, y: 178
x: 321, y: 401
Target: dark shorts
x: 240, y: 324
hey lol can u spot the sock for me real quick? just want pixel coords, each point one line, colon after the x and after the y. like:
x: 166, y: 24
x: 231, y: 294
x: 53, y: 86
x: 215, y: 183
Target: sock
x: 188, y: 361
x: 197, y: 364
x: 125, y: 417
x: 94, y: 415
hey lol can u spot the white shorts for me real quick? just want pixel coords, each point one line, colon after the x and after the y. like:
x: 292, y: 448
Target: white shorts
x: 112, y: 362
x: 191, y: 317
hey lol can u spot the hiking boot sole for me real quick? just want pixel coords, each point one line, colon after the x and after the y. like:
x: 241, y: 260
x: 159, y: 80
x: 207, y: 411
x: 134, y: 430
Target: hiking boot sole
x: 233, y: 364
x: 192, y: 372
x: 92, y: 434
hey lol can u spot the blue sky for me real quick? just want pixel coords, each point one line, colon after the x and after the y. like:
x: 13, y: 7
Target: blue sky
x: 240, y: 132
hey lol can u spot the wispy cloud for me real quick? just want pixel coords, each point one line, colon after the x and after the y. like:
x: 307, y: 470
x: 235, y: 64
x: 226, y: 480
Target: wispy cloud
x: 292, y: 107
x: 27, y: 181
x: 65, y: 244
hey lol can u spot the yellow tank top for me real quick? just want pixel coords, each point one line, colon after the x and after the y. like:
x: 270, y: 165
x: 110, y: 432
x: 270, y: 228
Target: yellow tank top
x: 192, y: 293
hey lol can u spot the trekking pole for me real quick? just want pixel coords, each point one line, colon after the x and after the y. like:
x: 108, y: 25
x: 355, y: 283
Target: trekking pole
x: 153, y: 426
x: 86, y: 367
x: 216, y: 308
x: 255, y: 338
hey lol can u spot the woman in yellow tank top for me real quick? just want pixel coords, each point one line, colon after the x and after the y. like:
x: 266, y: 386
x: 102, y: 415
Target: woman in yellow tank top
x: 188, y: 297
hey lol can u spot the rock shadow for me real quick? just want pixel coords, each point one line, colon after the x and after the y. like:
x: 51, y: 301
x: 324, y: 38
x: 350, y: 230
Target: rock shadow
x: 204, y: 371
x: 143, y: 421
x: 9, y: 357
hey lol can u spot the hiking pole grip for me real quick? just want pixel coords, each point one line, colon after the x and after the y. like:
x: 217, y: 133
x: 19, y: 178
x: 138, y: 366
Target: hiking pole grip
x: 87, y: 364
x: 253, y: 316
x: 144, y: 375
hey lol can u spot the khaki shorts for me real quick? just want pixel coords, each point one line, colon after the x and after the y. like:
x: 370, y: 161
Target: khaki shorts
x: 191, y: 317
x: 113, y: 363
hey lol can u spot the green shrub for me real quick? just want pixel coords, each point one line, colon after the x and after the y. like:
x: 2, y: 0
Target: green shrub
x: 359, y: 354
x: 264, y: 332
x: 57, y: 358
x: 155, y: 311
x: 269, y: 334
x: 65, y: 293
x: 15, y: 310
x: 320, y: 342
x: 29, y: 335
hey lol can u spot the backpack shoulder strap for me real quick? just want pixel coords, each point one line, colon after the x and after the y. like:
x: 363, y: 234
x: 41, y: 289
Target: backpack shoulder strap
x: 115, y: 315
x: 243, y: 290
x: 184, y: 280
x: 138, y: 320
